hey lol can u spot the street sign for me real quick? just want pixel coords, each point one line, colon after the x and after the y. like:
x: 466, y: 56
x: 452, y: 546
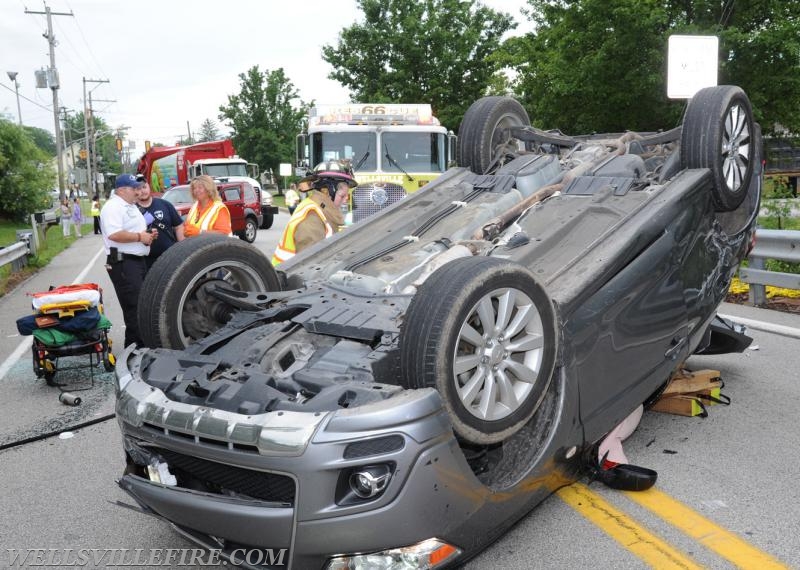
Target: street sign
x: 285, y: 169
x: 692, y: 63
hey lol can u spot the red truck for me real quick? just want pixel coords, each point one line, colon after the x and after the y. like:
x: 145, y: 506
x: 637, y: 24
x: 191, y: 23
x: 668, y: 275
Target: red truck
x: 168, y: 166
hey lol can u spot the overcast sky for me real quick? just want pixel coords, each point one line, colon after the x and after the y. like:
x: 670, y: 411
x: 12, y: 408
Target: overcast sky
x: 171, y: 61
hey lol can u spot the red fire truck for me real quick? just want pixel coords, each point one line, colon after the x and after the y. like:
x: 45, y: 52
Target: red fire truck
x: 166, y: 166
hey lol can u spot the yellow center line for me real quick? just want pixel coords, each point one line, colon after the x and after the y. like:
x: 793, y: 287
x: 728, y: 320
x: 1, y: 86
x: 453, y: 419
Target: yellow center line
x: 693, y: 524
x: 624, y: 529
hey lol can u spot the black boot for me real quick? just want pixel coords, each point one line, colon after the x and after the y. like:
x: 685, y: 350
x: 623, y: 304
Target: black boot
x: 621, y: 476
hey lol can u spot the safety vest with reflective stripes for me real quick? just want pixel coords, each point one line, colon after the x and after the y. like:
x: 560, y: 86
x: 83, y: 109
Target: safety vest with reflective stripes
x: 287, y: 248
x: 207, y: 220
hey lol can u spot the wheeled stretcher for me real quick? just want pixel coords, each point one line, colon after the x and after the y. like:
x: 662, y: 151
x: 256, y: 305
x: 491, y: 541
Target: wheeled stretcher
x: 68, y: 321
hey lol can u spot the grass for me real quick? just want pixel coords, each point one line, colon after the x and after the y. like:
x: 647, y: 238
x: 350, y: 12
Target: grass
x: 51, y: 243
x: 279, y: 200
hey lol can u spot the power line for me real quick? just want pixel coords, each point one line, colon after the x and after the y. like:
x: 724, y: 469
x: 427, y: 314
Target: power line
x: 86, y: 43
x: 74, y: 49
x: 28, y: 100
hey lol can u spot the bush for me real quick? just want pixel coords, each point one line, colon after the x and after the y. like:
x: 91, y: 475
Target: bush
x: 26, y: 174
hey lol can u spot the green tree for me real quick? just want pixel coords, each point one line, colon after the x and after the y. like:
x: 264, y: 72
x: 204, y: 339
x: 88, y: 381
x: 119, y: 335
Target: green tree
x: 42, y: 139
x: 208, y: 131
x: 26, y: 173
x: 265, y: 116
x: 108, y: 159
x: 430, y: 51
x: 600, y: 65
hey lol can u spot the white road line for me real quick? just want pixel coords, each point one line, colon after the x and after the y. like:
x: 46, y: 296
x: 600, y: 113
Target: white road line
x: 26, y: 343
x: 764, y: 326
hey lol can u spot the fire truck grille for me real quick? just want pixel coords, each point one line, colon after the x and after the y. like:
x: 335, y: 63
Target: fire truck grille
x: 371, y: 198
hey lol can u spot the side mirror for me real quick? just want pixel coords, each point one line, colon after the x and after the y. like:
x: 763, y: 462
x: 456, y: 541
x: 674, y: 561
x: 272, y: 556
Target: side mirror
x: 452, y: 146
x: 301, y: 150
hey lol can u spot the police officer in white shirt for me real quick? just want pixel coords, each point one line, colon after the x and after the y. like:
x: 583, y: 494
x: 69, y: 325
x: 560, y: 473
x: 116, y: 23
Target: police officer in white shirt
x: 127, y: 243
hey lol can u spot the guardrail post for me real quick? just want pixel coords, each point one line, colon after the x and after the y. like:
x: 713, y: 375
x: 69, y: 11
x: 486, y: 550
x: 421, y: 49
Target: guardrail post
x: 757, y: 295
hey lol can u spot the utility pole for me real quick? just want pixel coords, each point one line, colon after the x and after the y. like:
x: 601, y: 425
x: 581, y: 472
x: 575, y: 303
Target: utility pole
x: 68, y: 137
x: 94, y: 137
x: 189, y: 130
x: 54, y: 85
x: 87, y: 112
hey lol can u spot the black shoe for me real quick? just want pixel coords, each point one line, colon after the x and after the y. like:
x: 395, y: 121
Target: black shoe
x: 626, y: 477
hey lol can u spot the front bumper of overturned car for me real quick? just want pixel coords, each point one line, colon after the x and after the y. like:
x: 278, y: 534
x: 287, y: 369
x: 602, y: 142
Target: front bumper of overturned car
x: 303, y: 470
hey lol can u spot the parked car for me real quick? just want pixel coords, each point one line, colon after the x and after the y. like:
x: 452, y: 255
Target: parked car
x: 400, y: 394
x: 242, y: 200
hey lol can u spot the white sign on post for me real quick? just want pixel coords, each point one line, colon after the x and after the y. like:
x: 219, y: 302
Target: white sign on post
x: 692, y: 63
x: 285, y: 169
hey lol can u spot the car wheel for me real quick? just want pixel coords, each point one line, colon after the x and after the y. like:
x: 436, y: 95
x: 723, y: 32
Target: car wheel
x: 482, y: 136
x: 481, y: 331
x: 250, y: 230
x: 175, y: 305
x: 718, y: 134
x: 266, y: 223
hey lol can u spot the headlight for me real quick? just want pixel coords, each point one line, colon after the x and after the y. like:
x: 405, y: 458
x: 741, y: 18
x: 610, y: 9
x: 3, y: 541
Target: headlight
x: 425, y: 555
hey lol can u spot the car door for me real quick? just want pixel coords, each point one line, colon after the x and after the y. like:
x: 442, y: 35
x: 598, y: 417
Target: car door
x: 627, y: 338
x: 233, y: 196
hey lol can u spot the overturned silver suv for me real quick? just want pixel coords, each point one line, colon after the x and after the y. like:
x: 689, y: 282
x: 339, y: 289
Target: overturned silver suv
x: 398, y: 395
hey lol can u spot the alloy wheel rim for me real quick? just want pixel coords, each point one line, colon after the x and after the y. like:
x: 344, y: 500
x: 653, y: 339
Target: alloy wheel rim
x: 498, y: 354
x: 735, y: 148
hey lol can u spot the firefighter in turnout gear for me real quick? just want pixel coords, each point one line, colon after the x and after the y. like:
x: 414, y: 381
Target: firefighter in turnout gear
x: 318, y: 216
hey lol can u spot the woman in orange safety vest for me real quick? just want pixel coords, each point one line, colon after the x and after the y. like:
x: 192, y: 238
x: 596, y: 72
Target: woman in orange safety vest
x: 208, y: 214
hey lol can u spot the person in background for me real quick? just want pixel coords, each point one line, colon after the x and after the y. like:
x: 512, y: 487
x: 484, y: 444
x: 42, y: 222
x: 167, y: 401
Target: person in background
x: 127, y: 243
x: 66, y: 217
x: 77, y: 216
x: 161, y: 215
x: 155, y: 182
x: 292, y: 198
x: 319, y: 216
x: 208, y: 214
x: 95, y: 211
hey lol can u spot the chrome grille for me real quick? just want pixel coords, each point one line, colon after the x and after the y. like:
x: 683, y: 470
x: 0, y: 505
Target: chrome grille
x: 371, y: 198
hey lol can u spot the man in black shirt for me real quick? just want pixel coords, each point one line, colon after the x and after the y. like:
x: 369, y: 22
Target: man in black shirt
x: 161, y: 215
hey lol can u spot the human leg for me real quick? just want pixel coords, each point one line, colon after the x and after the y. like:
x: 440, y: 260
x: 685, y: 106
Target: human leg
x: 127, y: 277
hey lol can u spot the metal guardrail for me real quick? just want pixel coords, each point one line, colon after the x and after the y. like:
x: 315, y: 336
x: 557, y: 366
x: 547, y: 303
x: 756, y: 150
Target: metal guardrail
x: 15, y: 254
x: 783, y: 245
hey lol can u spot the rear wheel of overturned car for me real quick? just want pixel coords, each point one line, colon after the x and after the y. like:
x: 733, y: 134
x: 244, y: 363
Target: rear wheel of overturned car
x: 250, y: 230
x: 718, y: 133
x: 481, y: 331
x: 177, y: 305
x: 483, y: 135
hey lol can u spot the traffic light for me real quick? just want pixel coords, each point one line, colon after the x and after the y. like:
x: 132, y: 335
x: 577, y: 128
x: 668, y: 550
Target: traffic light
x: 82, y: 154
x: 147, y: 146
x: 119, y: 145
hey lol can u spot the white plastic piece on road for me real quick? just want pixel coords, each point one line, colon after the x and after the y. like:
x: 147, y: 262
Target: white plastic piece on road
x: 764, y: 326
x: 66, y: 435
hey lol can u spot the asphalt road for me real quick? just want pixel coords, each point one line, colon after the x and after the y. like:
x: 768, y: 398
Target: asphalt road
x: 735, y: 469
